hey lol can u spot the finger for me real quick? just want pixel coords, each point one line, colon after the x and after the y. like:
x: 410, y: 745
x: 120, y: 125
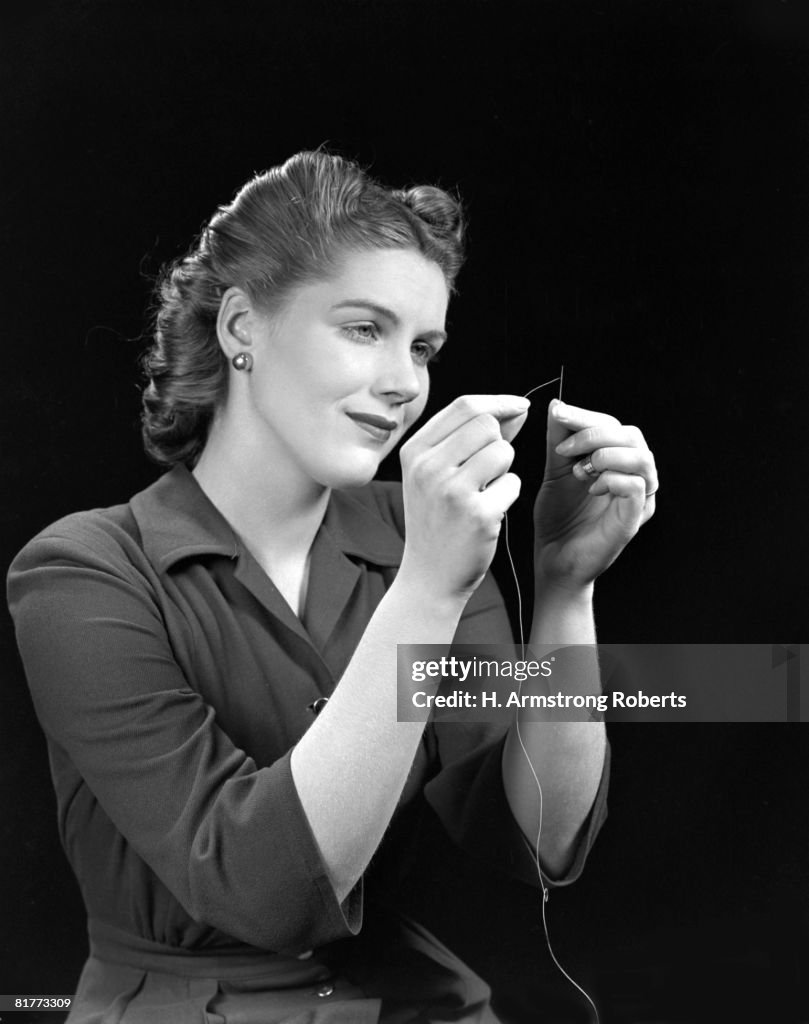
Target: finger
x: 637, y: 461
x: 557, y: 432
x: 510, y: 426
x: 590, y: 438
x: 487, y: 465
x: 649, y: 505
x: 504, y: 408
x: 630, y: 490
x: 500, y: 495
x: 575, y: 418
x: 586, y: 428
x: 564, y: 419
x: 601, y: 484
x: 464, y: 442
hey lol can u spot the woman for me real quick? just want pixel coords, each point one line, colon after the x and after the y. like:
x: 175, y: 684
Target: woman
x: 177, y: 647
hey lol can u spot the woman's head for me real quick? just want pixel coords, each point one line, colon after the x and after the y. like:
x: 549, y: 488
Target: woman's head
x: 288, y: 227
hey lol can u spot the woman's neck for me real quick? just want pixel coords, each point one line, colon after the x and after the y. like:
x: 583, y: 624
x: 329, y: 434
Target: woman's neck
x: 268, y: 501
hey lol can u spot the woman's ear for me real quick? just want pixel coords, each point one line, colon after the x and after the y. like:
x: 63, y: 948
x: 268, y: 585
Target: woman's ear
x: 236, y: 322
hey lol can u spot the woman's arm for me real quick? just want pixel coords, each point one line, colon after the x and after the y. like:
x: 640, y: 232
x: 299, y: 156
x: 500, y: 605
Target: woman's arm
x: 582, y: 523
x: 567, y: 756
x: 258, y: 852
x: 134, y: 741
x: 353, y: 762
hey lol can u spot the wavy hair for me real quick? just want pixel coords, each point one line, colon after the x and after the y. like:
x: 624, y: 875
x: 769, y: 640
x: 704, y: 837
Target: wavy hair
x: 286, y: 227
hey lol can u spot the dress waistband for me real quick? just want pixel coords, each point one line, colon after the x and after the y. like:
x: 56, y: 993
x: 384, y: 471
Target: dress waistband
x: 279, y: 970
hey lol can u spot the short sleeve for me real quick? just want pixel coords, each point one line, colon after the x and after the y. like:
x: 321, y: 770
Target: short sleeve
x: 229, y: 840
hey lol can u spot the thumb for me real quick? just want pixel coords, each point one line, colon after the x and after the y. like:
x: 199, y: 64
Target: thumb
x: 557, y: 432
x: 510, y: 426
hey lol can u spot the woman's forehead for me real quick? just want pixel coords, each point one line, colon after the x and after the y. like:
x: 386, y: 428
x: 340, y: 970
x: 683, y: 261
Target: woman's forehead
x: 401, y: 281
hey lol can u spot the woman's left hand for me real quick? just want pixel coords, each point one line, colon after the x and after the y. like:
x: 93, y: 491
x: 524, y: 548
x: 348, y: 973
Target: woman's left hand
x: 599, y: 489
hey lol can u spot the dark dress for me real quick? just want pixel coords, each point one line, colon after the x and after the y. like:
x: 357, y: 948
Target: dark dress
x: 172, y: 681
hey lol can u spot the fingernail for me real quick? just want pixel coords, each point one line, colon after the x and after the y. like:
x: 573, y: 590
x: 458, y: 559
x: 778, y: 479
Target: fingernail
x: 560, y: 411
x: 564, y: 447
x: 522, y: 403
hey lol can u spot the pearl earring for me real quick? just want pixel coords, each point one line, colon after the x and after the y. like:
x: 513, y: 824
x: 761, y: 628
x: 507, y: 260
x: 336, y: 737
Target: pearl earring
x: 242, y: 361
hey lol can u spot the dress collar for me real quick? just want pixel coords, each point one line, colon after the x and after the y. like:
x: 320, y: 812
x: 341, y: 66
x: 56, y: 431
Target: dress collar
x: 177, y: 520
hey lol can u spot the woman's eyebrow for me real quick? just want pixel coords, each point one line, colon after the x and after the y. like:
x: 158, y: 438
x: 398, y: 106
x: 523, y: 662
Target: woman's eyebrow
x: 386, y: 314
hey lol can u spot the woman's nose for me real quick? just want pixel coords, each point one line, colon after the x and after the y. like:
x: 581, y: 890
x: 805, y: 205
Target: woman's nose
x: 398, y: 376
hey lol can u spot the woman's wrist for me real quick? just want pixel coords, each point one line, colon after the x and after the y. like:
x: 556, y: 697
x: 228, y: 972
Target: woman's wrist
x: 563, y: 613
x: 562, y: 590
x: 429, y: 608
x: 425, y: 583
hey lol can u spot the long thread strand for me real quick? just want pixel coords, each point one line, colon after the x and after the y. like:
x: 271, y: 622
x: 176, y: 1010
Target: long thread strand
x: 524, y: 749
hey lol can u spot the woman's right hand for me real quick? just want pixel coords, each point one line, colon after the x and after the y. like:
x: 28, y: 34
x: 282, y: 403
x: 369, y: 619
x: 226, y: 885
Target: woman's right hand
x: 457, y: 488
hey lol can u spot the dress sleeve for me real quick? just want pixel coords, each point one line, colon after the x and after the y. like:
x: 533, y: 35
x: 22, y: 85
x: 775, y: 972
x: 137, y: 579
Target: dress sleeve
x: 228, y: 839
x: 468, y: 793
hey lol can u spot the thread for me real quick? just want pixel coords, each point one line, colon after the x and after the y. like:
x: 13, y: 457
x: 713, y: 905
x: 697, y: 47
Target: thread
x: 543, y: 886
x: 553, y: 380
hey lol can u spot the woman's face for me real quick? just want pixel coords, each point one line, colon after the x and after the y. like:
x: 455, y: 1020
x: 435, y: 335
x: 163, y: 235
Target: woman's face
x: 341, y: 371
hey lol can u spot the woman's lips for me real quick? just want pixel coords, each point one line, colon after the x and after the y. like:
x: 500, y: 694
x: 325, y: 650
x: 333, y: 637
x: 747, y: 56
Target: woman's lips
x: 379, y: 427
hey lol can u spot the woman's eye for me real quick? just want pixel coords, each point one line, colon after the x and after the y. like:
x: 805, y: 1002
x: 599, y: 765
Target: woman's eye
x: 423, y: 353
x: 362, y: 332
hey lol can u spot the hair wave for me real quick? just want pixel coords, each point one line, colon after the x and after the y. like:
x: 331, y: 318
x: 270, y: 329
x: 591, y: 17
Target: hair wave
x: 286, y: 227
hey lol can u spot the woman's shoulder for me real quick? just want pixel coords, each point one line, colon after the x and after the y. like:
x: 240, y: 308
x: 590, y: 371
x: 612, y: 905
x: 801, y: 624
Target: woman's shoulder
x: 103, y: 537
x: 169, y: 518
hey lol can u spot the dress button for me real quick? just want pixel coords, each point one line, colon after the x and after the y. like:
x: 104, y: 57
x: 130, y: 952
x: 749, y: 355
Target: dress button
x: 324, y: 990
x: 317, y: 705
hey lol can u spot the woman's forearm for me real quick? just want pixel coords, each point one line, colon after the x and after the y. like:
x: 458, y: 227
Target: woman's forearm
x: 351, y: 765
x: 567, y: 756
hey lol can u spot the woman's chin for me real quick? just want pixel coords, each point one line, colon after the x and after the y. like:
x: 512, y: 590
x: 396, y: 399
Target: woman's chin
x: 348, y: 473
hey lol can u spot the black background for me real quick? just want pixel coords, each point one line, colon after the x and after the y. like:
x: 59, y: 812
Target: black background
x: 636, y: 175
